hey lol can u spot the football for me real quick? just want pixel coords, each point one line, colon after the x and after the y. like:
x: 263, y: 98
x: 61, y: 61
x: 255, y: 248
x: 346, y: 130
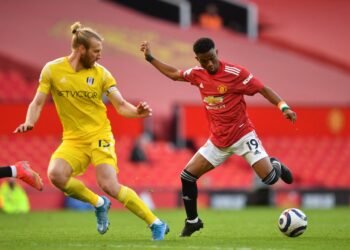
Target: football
x: 292, y: 222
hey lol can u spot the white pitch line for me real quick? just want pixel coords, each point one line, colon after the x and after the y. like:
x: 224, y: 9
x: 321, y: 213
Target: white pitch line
x: 161, y: 246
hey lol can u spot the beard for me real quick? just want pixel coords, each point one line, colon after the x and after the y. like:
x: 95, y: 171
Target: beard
x: 86, y: 62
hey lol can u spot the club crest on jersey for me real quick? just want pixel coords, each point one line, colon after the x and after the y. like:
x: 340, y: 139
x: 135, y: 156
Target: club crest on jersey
x: 90, y: 80
x: 222, y: 89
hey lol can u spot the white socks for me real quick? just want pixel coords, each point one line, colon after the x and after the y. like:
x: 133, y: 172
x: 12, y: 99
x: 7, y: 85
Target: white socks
x: 100, y: 202
x: 193, y: 221
x: 14, y: 171
x: 157, y: 222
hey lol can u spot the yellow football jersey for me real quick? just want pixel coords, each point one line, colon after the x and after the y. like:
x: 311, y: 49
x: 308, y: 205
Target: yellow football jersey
x: 78, y: 97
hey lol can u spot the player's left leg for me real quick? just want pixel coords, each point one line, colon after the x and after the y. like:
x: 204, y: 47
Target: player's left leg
x: 107, y: 179
x: 268, y: 169
x: 267, y: 173
x: 286, y: 174
x: 104, y: 158
x: 196, y: 167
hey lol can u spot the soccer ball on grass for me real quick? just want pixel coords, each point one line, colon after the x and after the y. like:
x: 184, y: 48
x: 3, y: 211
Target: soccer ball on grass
x: 292, y: 222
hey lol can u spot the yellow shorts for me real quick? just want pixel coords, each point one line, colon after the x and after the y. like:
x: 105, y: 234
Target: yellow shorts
x: 79, y: 154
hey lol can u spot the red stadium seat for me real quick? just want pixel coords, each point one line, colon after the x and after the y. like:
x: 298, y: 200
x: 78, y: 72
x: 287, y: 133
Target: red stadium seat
x: 315, y: 162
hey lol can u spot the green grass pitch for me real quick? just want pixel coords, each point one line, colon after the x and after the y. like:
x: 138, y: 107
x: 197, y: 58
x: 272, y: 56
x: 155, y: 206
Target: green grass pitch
x: 250, y: 228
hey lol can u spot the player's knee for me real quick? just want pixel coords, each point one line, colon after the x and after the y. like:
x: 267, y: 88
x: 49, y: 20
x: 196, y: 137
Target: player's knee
x: 272, y: 177
x: 187, y: 176
x: 57, y: 178
x: 111, y: 187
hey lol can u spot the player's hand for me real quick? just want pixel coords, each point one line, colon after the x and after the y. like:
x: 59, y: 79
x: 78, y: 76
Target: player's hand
x: 146, y: 48
x: 143, y: 110
x: 24, y: 127
x: 290, y: 115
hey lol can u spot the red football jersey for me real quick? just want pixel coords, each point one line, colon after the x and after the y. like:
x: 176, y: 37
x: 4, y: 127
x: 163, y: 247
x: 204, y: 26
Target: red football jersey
x: 223, y: 99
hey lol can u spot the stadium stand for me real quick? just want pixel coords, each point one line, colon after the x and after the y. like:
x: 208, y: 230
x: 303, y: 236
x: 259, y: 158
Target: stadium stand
x: 317, y: 29
x: 321, y: 162
x: 124, y: 29
x: 22, y: 93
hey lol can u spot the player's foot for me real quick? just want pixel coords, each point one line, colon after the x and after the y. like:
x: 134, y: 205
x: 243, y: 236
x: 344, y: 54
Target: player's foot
x: 101, y: 215
x: 159, y: 231
x: 286, y: 174
x: 190, y: 228
x: 26, y: 174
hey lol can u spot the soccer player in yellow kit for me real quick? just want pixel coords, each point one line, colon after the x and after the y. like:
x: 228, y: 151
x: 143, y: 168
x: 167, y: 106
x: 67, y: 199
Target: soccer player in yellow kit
x: 77, y: 84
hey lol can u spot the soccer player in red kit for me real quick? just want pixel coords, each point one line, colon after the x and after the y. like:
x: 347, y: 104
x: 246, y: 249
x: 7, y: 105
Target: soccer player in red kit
x: 223, y: 86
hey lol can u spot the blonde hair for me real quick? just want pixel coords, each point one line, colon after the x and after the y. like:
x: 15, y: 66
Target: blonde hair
x: 82, y: 35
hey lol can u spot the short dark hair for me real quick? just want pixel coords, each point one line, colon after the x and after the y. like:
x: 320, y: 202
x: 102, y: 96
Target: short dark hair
x: 203, y: 45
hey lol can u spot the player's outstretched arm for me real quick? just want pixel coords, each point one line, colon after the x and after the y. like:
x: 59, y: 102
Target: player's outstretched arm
x: 127, y: 109
x: 33, y: 113
x: 167, y: 70
x: 276, y: 100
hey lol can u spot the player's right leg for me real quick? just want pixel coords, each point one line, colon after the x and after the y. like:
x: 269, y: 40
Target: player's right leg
x: 71, y: 159
x: 60, y: 173
x: 101, y: 213
x: 202, y: 162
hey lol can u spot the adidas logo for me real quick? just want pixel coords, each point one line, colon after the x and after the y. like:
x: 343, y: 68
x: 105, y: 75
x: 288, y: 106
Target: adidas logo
x: 63, y: 80
x: 186, y: 198
x: 257, y: 152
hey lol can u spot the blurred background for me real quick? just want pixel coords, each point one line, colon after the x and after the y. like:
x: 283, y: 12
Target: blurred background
x: 298, y: 48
